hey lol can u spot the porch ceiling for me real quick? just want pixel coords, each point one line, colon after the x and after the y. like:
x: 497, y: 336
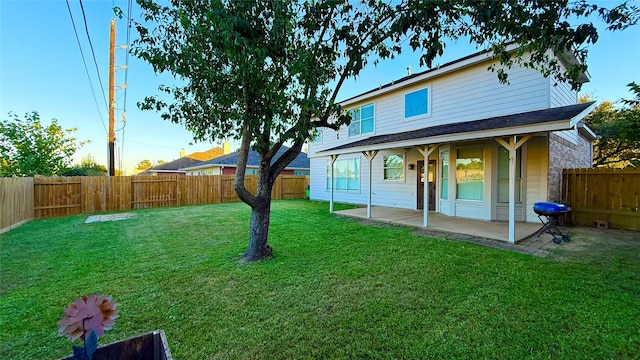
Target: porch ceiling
x: 531, y: 122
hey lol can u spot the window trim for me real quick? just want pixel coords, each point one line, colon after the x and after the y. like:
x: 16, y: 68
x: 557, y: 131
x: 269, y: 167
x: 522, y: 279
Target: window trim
x: 320, y: 136
x: 484, y: 170
x: 404, y: 104
x: 404, y: 168
x: 498, y: 178
x: 443, y: 172
x: 373, y: 104
x: 347, y: 190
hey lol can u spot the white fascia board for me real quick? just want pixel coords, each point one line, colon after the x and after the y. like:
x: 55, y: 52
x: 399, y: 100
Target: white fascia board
x: 198, y: 167
x: 167, y: 171
x: 586, y: 131
x: 474, y: 135
x: 432, y: 74
x: 582, y: 114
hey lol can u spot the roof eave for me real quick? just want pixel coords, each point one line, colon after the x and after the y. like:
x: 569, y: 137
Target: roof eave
x: 473, y: 135
x: 568, y: 58
x: 576, y: 119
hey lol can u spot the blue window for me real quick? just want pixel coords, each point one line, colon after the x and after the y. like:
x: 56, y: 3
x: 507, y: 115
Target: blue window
x: 361, y: 120
x: 416, y: 103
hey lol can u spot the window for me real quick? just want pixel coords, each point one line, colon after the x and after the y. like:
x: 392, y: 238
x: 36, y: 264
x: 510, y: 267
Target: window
x: 394, y: 167
x: 300, y: 173
x: 346, y: 175
x: 361, y: 120
x: 318, y: 138
x: 416, y: 103
x: 503, y: 175
x: 470, y: 174
x: 444, y: 193
x: 251, y: 172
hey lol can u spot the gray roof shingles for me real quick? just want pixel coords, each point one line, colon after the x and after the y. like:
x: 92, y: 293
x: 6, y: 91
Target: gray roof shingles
x: 253, y: 160
x: 174, y: 165
x: 497, y: 122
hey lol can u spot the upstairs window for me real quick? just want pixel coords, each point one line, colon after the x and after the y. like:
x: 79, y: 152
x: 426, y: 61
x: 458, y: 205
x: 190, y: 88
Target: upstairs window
x: 361, y: 120
x: 416, y: 103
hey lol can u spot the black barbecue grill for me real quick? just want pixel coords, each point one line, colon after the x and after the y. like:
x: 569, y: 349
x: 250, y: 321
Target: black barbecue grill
x: 548, y: 213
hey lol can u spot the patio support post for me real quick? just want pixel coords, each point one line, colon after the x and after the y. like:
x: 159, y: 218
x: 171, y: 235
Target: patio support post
x: 426, y: 151
x: 512, y: 146
x: 333, y: 160
x: 369, y: 155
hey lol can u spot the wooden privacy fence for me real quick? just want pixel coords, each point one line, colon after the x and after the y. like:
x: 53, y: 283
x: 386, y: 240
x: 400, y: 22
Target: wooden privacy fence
x: 611, y: 195
x: 16, y: 202
x: 60, y: 196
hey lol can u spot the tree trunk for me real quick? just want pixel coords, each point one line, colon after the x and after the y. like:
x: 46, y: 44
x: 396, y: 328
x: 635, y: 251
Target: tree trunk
x: 259, y: 234
x: 260, y: 203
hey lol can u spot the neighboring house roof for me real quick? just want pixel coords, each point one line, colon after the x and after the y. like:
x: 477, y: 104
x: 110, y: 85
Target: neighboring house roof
x: 564, y: 113
x: 185, y: 161
x: 206, y: 155
x: 253, y: 160
x: 172, y: 166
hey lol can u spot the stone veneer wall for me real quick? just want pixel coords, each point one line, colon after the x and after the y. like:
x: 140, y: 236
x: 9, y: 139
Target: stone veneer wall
x: 563, y: 154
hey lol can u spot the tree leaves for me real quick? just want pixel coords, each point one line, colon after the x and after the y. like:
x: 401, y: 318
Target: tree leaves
x: 27, y: 147
x: 619, y: 130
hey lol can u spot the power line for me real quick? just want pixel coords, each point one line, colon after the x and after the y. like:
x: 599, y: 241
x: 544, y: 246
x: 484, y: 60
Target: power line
x: 93, y: 92
x: 155, y: 145
x: 86, y: 28
x: 126, y: 80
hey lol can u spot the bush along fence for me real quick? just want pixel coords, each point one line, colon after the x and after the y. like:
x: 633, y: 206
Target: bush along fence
x: 43, y: 197
x: 603, y: 197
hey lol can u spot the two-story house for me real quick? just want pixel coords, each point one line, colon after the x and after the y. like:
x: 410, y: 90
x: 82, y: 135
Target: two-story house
x: 490, y: 150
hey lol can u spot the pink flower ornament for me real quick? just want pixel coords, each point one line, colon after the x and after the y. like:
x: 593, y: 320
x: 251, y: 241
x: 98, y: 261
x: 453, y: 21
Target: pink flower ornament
x: 88, y: 312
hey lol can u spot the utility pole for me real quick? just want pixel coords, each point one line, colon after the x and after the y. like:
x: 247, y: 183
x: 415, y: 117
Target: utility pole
x: 112, y: 103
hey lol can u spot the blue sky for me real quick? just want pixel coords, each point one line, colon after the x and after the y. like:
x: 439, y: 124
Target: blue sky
x: 41, y: 69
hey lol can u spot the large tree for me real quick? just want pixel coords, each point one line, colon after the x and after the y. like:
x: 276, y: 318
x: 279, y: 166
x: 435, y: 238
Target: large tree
x: 28, y: 147
x: 268, y: 72
x: 618, y: 128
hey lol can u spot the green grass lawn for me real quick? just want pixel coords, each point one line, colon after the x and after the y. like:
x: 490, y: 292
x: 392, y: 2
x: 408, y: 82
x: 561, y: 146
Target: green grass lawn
x: 335, y: 289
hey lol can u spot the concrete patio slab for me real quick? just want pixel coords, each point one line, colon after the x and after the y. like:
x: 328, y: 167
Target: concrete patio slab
x: 494, y: 234
x: 498, y: 230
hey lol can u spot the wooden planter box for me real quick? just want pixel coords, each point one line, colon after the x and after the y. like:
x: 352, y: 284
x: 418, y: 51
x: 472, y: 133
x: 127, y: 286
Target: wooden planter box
x: 151, y: 346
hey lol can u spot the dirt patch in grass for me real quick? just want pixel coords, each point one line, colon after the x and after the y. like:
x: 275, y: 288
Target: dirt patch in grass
x: 598, y: 245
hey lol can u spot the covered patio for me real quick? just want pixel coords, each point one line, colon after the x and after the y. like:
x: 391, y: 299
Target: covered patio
x: 498, y: 230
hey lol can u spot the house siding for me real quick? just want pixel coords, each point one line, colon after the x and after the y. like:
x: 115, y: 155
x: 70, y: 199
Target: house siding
x: 564, y: 154
x: 318, y: 182
x: 537, y: 166
x: 561, y: 93
x: 465, y: 95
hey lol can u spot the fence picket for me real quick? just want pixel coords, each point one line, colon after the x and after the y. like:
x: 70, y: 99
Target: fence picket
x: 22, y: 199
x: 608, y: 195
